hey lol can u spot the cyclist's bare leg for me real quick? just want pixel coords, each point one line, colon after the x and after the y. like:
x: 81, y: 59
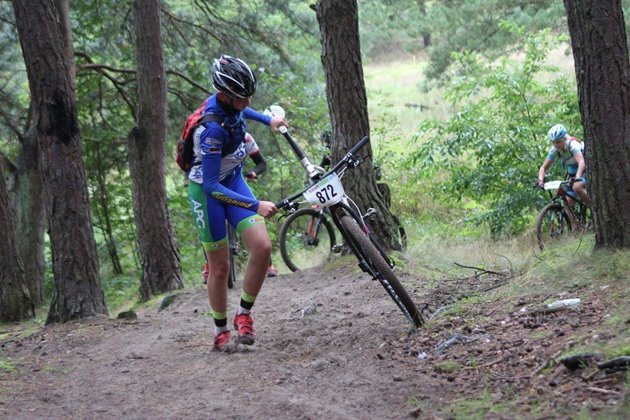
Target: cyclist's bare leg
x: 578, y: 187
x: 258, y: 244
x: 217, y: 278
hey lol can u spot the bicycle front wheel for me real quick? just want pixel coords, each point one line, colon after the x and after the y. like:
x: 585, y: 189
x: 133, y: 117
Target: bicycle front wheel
x: 551, y: 225
x: 306, y: 239
x: 385, y: 274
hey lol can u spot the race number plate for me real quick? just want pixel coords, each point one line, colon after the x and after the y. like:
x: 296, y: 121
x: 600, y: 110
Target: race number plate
x: 326, y: 192
x: 552, y: 185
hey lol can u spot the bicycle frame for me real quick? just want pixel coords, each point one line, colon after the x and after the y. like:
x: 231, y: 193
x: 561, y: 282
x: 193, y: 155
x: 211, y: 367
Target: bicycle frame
x: 577, y: 219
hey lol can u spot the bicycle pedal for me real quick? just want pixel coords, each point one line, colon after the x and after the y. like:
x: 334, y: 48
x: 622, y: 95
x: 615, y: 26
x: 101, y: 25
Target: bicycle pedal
x: 337, y: 248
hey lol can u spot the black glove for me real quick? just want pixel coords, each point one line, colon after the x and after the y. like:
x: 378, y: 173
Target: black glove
x: 571, y: 181
x: 538, y: 184
x: 251, y: 175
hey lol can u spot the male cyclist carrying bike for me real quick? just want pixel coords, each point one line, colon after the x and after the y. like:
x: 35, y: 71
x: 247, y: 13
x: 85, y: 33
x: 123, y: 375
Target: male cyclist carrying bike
x: 218, y: 193
x: 569, y: 151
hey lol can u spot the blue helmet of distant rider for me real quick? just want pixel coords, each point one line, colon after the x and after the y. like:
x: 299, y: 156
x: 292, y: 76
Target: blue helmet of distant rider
x: 557, y: 133
x: 233, y: 77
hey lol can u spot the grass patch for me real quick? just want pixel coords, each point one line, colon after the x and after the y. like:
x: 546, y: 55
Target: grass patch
x: 7, y: 366
x: 482, y: 407
x: 447, y: 366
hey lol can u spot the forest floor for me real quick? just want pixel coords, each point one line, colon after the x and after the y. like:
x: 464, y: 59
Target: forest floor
x: 330, y: 345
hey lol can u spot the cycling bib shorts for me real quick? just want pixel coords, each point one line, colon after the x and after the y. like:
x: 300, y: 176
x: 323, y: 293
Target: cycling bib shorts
x: 210, y: 214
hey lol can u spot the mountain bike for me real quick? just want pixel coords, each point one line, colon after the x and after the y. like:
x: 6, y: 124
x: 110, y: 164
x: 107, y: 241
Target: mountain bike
x: 307, y: 237
x: 329, y: 193
x: 558, y: 218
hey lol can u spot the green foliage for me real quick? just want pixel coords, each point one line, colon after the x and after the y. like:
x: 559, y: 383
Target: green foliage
x: 120, y: 291
x: 463, y: 27
x: 389, y: 28
x: 491, y: 149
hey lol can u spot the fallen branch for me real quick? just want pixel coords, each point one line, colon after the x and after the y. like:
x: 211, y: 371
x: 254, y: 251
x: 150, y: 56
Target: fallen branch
x: 456, y: 338
x: 616, y: 364
x: 482, y: 270
x: 602, y: 390
x: 548, y: 363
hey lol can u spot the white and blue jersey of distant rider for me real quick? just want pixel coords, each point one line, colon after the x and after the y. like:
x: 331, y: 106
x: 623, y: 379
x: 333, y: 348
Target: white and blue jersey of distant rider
x: 571, y: 148
x: 220, y: 149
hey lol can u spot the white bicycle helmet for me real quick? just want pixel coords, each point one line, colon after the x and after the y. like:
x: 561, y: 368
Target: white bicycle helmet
x: 557, y: 133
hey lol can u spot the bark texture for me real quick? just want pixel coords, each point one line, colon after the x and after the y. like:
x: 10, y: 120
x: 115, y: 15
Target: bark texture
x: 30, y: 215
x: 602, y: 67
x: 147, y: 142
x: 77, y: 292
x: 15, y: 300
x: 347, y: 104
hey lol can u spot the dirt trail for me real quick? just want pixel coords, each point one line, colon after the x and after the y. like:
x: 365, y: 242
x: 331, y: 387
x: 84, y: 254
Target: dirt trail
x: 352, y: 358
x: 322, y: 365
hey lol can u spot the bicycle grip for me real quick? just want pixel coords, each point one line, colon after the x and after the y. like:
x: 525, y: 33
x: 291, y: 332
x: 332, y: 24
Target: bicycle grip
x: 359, y: 145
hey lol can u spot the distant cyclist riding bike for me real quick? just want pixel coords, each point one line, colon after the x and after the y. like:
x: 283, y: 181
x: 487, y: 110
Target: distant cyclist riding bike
x: 569, y: 151
x: 568, y: 210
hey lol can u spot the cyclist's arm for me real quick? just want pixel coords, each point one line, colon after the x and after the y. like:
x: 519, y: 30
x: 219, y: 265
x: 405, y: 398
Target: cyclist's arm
x: 252, y: 114
x: 259, y: 160
x: 579, y: 159
x: 543, y: 170
x: 273, y: 122
x: 211, y: 147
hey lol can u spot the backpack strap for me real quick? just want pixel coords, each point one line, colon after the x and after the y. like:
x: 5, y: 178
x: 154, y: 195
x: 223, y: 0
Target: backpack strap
x: 209, y: 117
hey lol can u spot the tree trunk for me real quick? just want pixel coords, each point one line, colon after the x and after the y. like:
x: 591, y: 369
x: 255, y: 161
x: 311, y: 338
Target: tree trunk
x: 347, y: 104
x: 602, y: 67
x: 77, y: 291
x: 63, y: 9
x: 147, y: 141
x: 30, y: 216
x: 15, y: 300
x: 426, y: 36
x: 101, y: 194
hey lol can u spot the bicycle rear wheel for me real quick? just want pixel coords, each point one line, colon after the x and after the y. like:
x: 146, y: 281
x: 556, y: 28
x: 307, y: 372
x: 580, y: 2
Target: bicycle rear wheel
x: 551, y: 224
x: 384, y: 272
x: 306, y: 239
x: 233, y: 250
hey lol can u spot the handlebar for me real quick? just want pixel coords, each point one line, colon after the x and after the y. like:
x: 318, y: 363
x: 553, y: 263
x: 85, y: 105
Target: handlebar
x: 346, y: 160
x: 314, y: 172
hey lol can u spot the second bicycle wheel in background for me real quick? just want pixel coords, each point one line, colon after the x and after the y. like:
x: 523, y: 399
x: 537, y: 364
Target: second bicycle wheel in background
x: 551, y: 225
x: 306, y: 239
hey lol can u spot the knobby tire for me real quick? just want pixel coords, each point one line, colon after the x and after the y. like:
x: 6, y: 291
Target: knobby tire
x: 551, y: 224
x: 231, y: 251
x: 293, y: 242
x: 385, y: 274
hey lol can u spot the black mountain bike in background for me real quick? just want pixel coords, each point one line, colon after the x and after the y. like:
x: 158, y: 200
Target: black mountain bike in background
x: 236, y: 251
x: 558, y: 218
x: 328, y: 193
